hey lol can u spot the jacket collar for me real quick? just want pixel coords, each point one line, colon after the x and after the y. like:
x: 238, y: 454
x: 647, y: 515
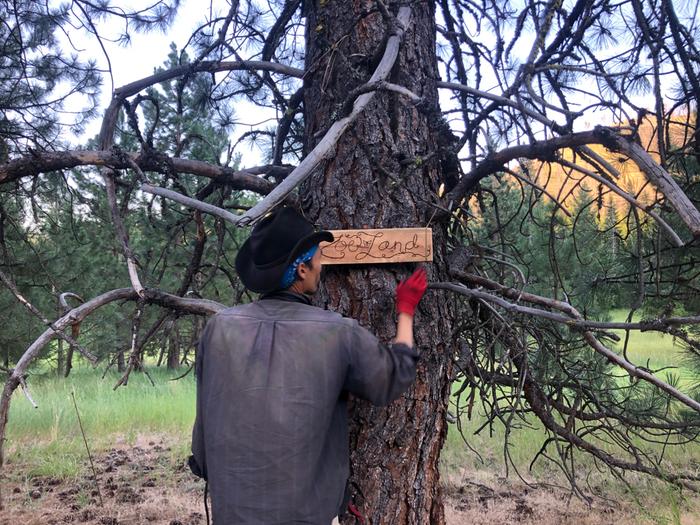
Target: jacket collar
x: 284, y: 295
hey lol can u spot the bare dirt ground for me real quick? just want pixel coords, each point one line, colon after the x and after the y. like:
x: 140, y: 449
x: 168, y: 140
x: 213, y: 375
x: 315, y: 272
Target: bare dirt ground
x: 141, y: 483
x: 514, y: 502
x: 145, y: 483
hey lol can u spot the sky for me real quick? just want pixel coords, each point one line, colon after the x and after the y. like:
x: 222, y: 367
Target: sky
x: 148, y: 51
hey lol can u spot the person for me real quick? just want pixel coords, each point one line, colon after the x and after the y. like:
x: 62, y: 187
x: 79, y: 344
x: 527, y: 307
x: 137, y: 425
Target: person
x: 271, y: 431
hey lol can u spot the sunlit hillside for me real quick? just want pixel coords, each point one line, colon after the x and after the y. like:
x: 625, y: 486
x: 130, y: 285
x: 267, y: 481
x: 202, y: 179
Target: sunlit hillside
x: 571, y: 183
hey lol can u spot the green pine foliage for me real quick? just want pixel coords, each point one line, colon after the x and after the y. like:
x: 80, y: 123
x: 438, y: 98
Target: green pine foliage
x: 38, y: 76
x: 610, y: 266
x: 63, y: 240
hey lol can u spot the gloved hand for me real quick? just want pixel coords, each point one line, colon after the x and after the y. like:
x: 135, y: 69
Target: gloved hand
x: 410, y: 291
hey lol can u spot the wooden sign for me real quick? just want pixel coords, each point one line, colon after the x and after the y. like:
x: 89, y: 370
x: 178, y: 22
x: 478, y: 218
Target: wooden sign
x: 392, y: 245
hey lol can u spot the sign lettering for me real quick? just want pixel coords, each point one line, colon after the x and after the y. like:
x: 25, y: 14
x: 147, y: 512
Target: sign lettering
x: 391, y: 245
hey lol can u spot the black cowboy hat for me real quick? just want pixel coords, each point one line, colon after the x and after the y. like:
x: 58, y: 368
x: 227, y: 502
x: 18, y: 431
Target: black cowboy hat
x: 273, y: 245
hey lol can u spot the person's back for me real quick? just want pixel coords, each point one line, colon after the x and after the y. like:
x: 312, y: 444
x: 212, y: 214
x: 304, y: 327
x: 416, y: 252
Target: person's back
x: 273, y: 410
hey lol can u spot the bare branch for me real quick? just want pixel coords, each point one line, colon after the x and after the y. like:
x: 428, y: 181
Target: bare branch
x: 63, y: 299
x: 631, y: 369
x: 326, y: 145
x: 205, y: 67
x: 612, y: 140
x: 45, y: 162
x: 673, y: 236
x: 665, y: 183
x: 77, y: 315
x: 120, y: 229
x: 52, y: 326
x: 192, y: 203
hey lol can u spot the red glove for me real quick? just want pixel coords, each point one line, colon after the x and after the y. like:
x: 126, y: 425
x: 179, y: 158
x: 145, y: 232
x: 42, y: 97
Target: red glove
x: 410, y: 291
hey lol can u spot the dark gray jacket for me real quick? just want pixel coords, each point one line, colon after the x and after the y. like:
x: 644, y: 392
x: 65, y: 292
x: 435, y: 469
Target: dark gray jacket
x: 271, y: 429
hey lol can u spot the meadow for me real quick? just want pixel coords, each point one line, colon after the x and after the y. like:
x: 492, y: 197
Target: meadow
x: 481, y: 458
x: 46, y: 442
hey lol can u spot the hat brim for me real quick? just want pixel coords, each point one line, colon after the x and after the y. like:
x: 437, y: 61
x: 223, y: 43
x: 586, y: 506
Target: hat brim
x: 267, y: 279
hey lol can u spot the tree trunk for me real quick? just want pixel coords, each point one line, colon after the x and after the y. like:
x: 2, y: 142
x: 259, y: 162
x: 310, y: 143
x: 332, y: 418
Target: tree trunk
x: 60, y: 358
x: 174, y: 349
x: 121, y: 362
x: 161, y: 354
x: 69, y: 361
x: 384, y: 171
x: 197, y: 323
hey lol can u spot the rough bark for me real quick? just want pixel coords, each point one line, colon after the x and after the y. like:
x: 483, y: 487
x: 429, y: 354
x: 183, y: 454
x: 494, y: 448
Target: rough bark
x: 174, y: 350
x: 376, y: 179
x: 121, y: 362
x: 69, y: 362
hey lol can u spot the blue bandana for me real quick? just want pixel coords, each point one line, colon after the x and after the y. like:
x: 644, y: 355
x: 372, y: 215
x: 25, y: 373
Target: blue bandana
x: 291, y: 271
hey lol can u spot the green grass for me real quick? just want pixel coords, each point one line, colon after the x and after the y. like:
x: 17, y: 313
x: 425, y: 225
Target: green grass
x: 657, y: 502
x: 653, y: 350
x: 47, y: 440
x: 167, y: 406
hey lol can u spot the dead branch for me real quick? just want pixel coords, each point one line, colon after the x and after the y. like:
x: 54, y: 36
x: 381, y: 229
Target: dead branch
x: 663, y: 181
x: 631, y: 369
x: 545, y: 400
x: 63, y: 300
x: 663, y: 324
x: 52, y: 326
x: 205, y: 67
x: 326, y: 145
x: 77, y: 315
x: 673, y: 236
x: 546, y: 151
x: 45, y: 162
x: 192, y: 203
x: 108, y: 176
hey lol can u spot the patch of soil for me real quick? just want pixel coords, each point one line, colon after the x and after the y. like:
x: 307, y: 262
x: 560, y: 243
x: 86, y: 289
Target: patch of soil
x: 141, y: 484
x: 135, y: 485
x: 508, y: 501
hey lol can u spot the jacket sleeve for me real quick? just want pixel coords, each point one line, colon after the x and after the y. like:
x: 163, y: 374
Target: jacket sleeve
x: 197, y: 461
x: 375, y: 372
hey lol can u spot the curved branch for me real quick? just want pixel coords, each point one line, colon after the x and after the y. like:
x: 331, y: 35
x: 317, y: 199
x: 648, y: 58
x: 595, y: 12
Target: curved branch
x: 49, y: 161
x: 106, y: 138
x: 285, y: 124
x: 76, y: 315
x: 546, y: 151
x: 192, y: 203
x: 673, y: 236
x: 108, y: 175
x: 614, y: 358
x: 58, y: 332
x: 63, y: 299
x: 663, y: 324
x: 326, y: 145
x: 660, y: 178
x: 206, y: 67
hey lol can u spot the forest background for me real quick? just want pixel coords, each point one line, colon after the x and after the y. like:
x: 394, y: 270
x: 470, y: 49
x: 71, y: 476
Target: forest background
x: 528, y: 210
